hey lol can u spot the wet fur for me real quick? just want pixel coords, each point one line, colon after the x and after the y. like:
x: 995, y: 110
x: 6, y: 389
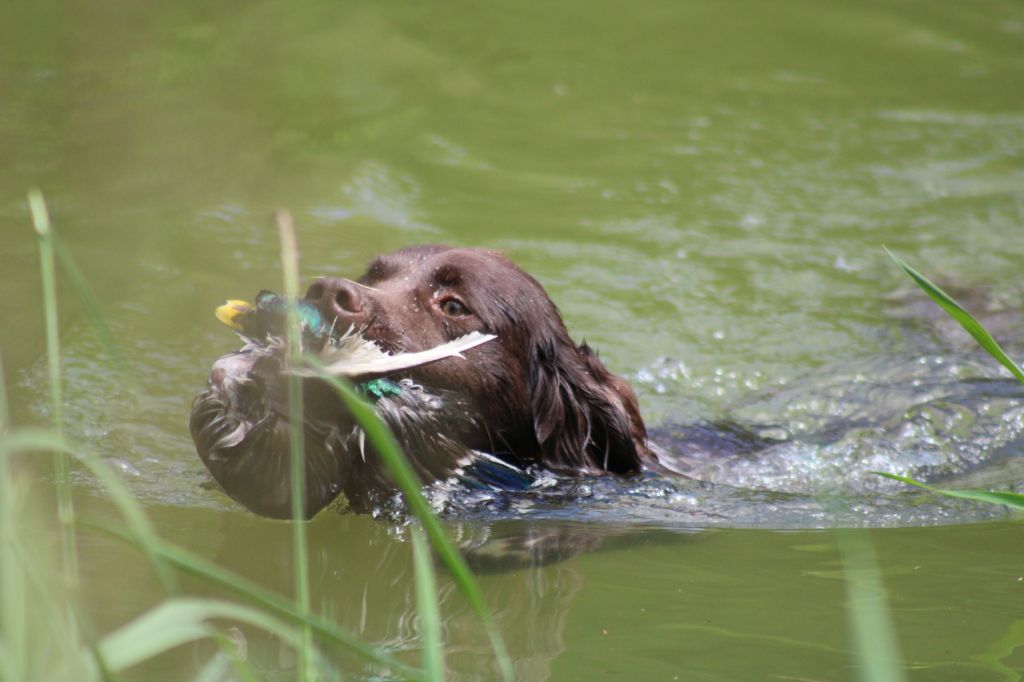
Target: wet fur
x: 543, y: 398
x: 532, y: 397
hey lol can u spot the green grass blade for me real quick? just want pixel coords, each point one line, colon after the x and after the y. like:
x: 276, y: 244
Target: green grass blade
x: 405, y: 478
x: 233, y: 651
x: 9, y: 669
x: 214, y: 670
x: 876, y: 648
x: 165, y: 627
x: 296, y: 434
x: 178, y: 621
x: 5, y: 415
x: 427, y: 608
x: 956, y: 311
x: 79, y: 284
x: 35, y: 440
x: 92, y: 310
x: 65, y: 501
x: 257, y: 595
x: 13, y: 598
x: 1012, y: 500
x: 89, y: 302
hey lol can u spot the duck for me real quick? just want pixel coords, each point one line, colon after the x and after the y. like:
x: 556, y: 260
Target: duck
x: 240, y: 423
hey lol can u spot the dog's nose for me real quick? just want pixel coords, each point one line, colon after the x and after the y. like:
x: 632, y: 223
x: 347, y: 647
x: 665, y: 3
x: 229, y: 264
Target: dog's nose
x: 336, y: 298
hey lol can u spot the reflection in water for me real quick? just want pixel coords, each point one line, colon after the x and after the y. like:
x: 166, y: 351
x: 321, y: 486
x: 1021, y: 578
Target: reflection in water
x: 365, y: 583
x: 509, y: 547
x: 537, y: 603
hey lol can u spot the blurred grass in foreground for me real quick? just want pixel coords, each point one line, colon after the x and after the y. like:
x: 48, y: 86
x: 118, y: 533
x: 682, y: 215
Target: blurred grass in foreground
x: 44, y: 634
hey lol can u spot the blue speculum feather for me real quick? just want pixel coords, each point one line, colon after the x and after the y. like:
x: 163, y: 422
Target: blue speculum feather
x: 490, y: 474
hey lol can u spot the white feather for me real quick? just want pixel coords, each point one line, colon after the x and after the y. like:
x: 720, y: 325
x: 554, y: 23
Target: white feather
x: 352, y: 355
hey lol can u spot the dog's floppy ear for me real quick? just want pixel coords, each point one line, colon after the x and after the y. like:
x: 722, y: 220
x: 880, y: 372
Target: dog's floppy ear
x: 585, y: 418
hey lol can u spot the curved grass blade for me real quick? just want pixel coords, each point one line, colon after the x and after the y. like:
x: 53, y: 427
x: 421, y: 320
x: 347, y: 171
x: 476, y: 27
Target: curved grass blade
x: 233, y: 653
x: 14, y: 603
x: 195, y: 565
x: 427, y: 608
x: 22, y: 583
x: 164, y: 556
x: 85, y: 293
x: 92, y: 309
x: 215, y: 670
x: 52, y: 629
x: 405, y: 478
x: 35, y: 440
x: 181, y: 620
x: 1012, y: 500
x: 954, y: 309
x: 160, y: 629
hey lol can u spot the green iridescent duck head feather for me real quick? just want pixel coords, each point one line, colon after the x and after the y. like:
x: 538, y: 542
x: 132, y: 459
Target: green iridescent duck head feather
x: 266, y: 319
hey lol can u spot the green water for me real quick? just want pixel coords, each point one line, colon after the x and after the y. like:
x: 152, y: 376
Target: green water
x: 703, y: 187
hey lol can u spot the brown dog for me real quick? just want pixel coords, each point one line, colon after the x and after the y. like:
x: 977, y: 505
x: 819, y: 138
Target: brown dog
x: 531, y: 398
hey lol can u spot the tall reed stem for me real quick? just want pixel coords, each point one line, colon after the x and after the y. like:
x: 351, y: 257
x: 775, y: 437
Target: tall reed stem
x: 65, y: 503
x: 5, y: 416
x: 12, y: 588
x: 290, y: 268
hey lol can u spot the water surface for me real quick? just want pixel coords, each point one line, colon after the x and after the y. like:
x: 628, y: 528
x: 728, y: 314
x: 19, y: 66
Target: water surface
x: 703, y: 188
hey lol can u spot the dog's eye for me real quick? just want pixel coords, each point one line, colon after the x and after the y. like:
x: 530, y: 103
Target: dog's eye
x: 454, y: 307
